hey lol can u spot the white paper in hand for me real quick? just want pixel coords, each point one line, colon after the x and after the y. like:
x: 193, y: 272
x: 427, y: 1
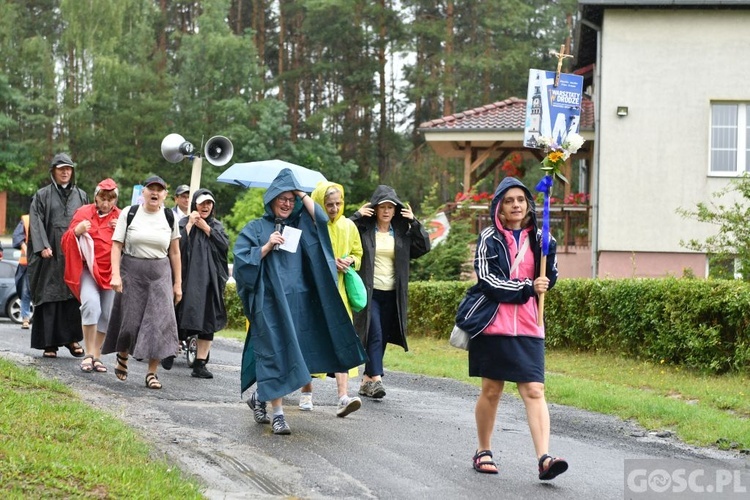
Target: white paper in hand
x: 291, y: 239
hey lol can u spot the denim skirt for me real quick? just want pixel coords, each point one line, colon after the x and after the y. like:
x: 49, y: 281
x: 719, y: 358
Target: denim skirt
x: 501, y: 357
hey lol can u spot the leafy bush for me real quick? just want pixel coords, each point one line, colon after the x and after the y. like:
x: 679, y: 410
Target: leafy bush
x: 732, y: 240
x: 433, y: 306
x: 446, y: 261
x: 235, y: 314
x: 701, y: 324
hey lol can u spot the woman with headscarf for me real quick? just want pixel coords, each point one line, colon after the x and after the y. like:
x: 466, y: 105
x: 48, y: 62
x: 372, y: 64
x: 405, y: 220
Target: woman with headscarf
x: 87, y: 245
x: 298, y: 323
x: 391, y: 237
x: 203, y: 251
x: 500, y: 314
x: 57, y: 318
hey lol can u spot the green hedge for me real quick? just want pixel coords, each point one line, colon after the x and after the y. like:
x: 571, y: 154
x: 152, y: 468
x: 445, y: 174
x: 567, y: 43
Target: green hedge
x: 700, y: 324
x: 235, y: 314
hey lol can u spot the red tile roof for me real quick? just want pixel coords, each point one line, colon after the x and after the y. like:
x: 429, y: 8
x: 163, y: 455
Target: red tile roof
x: 509, y: 114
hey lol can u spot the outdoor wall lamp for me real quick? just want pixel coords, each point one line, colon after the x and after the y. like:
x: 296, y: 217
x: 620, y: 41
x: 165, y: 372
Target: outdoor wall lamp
x: 622, y: 111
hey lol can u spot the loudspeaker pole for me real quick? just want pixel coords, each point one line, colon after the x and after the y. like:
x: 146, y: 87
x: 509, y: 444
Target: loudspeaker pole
x: 195, y: 176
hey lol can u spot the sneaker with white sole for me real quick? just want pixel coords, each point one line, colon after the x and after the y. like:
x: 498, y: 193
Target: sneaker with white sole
x: 259, y: 409
x: 348, y: 405
x: 305, y: 402
x: 280, y: 426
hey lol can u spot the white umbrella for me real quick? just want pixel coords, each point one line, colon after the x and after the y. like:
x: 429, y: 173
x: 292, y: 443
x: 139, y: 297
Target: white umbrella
x: 262, y: 173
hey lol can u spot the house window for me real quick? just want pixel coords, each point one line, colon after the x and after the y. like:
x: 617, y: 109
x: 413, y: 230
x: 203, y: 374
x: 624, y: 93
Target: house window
x: 730, y: 138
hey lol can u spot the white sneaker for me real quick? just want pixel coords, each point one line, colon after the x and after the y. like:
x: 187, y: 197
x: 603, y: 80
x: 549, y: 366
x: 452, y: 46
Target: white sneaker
x: 305, y: 402
x: 348, y: 405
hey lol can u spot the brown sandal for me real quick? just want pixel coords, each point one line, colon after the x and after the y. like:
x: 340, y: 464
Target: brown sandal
x: 75, y: 350
x: 152, y: 381
x: 87, y: 365
x: 99, y: 366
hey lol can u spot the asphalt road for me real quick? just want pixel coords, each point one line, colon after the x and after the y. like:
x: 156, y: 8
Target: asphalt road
x: 415, y: 443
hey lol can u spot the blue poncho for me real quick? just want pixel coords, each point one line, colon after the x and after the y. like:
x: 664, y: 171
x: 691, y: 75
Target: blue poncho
x: 298, y: 322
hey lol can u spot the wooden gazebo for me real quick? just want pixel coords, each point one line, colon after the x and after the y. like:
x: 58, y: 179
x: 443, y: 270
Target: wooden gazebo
x: 484, y: 137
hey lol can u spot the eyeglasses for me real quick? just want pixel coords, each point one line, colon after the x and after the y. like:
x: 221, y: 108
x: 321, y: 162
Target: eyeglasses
x: 285, y: 201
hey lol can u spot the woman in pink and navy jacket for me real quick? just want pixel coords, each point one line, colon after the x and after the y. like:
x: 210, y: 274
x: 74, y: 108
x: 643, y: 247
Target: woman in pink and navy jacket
x: 500, y: 314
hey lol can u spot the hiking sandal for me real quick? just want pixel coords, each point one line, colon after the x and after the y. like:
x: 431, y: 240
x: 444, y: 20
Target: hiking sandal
x: 487, y: 466
x: 554, y: 467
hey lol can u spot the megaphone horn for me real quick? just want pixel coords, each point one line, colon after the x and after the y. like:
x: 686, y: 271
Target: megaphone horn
x: 174, y: 148
x: 218, y: 150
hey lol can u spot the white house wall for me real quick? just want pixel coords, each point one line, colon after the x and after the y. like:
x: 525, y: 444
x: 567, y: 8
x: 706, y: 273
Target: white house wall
x: 666, y: 66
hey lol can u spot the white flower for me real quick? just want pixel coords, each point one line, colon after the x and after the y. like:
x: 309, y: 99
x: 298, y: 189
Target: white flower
x: 544, y: 141
x: 572, y: 143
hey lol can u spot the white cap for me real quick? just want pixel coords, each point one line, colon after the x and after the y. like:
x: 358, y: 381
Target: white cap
x: 204, y: 197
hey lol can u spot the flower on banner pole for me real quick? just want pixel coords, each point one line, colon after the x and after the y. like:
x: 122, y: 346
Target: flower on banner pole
x: 558, y: 154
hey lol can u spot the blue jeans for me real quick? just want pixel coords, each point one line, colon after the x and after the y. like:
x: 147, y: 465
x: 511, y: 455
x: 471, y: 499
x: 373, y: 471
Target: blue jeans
x: 383, y: 318
x: 25, y: 297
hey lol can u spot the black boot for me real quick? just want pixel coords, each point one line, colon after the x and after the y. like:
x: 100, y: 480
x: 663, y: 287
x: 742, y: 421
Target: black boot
x: 199, y: 369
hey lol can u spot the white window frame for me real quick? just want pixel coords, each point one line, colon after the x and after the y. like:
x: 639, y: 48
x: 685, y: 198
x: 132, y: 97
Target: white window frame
x: 741, y: 132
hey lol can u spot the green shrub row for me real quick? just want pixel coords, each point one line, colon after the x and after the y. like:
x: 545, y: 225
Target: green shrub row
x: 235, y: 313
x: 698, y: 324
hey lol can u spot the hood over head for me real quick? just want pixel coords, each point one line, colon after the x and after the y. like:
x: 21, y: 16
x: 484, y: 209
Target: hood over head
x: 385, y: 193
x: 319, y: 195
x: 199, y: 197
x: 62, y: 160
x: 283, y: 182
x: 502, y: 188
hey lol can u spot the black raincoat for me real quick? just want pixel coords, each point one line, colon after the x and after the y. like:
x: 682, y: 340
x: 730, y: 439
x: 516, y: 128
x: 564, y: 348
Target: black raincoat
x: 204, y: 275
x: 412, y: 241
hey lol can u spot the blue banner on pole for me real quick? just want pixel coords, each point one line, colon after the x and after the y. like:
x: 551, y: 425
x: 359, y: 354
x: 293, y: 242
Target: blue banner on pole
x: 551, y: 111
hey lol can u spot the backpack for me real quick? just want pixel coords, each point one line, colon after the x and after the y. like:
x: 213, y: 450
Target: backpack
x: 168, y: 213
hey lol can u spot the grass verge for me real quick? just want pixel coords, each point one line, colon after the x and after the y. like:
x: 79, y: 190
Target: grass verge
x: 53, y: 445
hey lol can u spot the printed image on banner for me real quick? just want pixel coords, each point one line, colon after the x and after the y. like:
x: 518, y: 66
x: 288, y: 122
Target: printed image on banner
x: 552, y: 111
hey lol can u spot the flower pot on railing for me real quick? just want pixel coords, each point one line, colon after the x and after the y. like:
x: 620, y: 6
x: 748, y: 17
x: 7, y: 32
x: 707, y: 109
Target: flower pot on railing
x: 582, y: 237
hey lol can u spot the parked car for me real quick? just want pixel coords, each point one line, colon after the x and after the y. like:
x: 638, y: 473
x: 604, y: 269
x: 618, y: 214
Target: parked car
x: 10, y: 302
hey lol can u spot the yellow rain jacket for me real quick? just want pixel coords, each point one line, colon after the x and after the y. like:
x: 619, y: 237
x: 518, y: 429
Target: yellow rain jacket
x: 343, y: 232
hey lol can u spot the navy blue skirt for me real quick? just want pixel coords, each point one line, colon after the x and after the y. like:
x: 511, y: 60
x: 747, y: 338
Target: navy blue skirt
x: 500, y: 357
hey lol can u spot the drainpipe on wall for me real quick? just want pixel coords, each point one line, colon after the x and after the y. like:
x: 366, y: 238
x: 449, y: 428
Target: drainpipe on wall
x: 595, y: 161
